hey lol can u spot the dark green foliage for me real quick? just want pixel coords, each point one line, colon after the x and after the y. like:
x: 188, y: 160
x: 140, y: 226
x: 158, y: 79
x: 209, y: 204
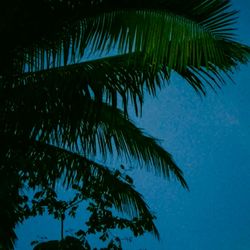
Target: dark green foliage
x: 60, y: 108
x: 103, y: 218
x: 68, y: 243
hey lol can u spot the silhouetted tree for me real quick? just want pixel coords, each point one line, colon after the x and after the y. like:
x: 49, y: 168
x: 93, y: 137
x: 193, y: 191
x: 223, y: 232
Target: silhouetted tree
x: 59, y: 110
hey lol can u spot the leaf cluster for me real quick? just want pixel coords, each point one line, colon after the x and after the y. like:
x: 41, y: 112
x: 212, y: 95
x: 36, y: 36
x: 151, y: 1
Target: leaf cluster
x: 102, y: 219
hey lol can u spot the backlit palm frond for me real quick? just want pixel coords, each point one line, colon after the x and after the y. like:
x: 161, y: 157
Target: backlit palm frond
x: 158, y: 34
x: 214, y: 15
x: 213, y: 75
x: 176, y: 33
x: 167, y: 37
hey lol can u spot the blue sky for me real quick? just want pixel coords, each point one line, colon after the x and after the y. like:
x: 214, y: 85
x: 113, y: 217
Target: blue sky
x: 210, y: 140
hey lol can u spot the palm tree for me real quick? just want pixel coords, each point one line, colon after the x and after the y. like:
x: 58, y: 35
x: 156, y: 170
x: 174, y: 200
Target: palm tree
x: 70, y: 69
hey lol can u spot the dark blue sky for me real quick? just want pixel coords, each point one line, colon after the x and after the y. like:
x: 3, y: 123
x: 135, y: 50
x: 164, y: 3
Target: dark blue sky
x: 210, y: 139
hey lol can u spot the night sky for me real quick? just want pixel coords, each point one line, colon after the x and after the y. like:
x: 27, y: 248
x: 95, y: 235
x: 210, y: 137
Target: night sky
x: 209, y: 138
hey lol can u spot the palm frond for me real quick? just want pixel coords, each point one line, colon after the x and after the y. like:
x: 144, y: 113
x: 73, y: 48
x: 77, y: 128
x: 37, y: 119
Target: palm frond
x: 44, y: 164
x: 90, y: 127
x: 161, y: 30
x: 110, y: 79
x: 163, y: 37
x: 157, y: 38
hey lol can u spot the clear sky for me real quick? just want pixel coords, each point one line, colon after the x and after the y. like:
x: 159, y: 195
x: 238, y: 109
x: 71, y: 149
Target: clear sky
x: 210, y: 140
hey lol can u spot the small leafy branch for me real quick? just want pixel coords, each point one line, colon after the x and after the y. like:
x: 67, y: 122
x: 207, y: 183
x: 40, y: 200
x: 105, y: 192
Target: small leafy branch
x: 103, y: 216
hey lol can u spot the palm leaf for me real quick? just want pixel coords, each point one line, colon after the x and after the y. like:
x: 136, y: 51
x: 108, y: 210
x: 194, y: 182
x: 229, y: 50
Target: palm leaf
x: 162, y: 30
x: 110, y: 79
x: 44, y: 165
x: 90, y: 127
x: 163, y: 39
x: 198, y: 38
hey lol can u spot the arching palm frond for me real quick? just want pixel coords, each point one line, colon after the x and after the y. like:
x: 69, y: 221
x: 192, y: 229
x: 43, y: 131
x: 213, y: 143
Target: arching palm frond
x: 43, y: 165
x: 113, y: 79
x: 173, y: 40
x: 89, y: 127
x: 167, y: 37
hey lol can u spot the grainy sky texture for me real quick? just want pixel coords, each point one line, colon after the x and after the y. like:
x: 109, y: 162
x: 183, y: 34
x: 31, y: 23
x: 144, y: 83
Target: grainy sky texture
x: 210, y: 140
